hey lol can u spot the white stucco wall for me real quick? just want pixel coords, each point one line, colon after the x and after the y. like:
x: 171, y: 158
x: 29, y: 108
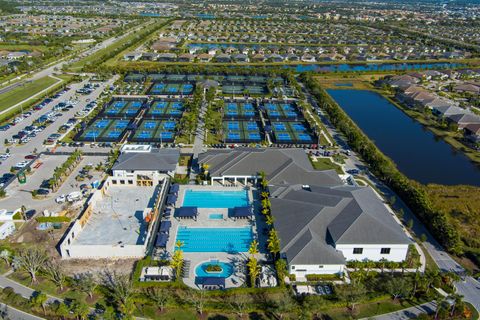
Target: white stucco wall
x: 300, y: 271
x: 371, y: 252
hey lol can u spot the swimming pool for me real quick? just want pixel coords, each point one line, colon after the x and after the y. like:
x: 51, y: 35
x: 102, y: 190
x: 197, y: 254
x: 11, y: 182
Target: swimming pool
x: 215, y: 216
x: 215, y: 199
x: 231, y: 240
x: 227, y: 270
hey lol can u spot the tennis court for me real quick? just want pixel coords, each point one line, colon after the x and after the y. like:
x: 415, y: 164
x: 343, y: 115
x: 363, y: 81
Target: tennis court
x: 123, y: 108
x: 242, y: 131
x: 292, y: 132
x: 164, y: 109
x: 286, y: 111
x: 155, y: 130
x: 171, y: 88
x: 135, y: 77
x: 240, y: 110
x: 240, y: 88
x: 104, y: 130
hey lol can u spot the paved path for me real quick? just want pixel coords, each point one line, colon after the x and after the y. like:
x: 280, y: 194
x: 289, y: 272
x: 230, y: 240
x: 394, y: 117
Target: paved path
x: 198, y: 142
x: 409, y: 313
x: 9, y: 312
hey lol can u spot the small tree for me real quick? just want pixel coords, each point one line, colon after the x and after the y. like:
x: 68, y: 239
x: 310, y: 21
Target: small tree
x: 238, y: 303
x: 86, y: 283
x: 39, y: 299
x: 55, y: 273
x: 30, y: 260
x: 121, y: 290
x: 6, y: 256
x: 80, y: 309
x: 197, y: 299
x: 253, y: 270
x: 281, y: 267
x: 158, y: 295
x: 273, y: 243
x: 62, y: 310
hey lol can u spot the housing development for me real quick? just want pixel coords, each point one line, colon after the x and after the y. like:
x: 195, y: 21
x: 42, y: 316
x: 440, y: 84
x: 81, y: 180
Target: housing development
x: 239, y: 160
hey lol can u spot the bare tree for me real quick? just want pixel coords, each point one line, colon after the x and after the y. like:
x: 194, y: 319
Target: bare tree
x: 121, y: 291
x: 158, y: 295
x: 55, y: 273
x: 86, y: 283
x: 31, y: 260
x: 239, y: 304
x: 197, y: 299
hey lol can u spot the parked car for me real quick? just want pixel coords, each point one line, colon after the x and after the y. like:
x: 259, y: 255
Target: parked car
x: 43, y: 192
x: 61, y: 199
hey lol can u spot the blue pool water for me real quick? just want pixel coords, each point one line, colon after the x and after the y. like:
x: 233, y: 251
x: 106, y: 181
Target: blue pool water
x: 231, y: 240
x: 215, y: 216
x: 215, y: 199
x: 227, y: 270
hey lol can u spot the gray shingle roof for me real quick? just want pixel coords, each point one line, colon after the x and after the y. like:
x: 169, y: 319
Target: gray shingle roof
x: 327, y: 216
x: 158, y: 160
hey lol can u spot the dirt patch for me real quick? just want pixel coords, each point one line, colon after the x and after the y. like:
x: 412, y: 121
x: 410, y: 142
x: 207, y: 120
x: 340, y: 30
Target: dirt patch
x: 97, y: 267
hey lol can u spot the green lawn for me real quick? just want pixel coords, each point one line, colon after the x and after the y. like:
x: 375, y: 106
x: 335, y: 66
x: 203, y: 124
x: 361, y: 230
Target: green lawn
x: 326, y: 164
x: 369, y: 309
x: 25, y: 91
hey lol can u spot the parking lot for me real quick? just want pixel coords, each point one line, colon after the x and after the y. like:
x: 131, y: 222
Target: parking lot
x: 20, y: 194
x: 79, y: 101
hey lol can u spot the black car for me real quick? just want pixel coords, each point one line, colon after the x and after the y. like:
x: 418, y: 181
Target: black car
x: 30, y: 214
x: 43, y: 192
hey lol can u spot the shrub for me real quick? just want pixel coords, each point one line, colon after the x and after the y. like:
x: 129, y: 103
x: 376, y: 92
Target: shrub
x: 53, y: 219
x: 321, y: 277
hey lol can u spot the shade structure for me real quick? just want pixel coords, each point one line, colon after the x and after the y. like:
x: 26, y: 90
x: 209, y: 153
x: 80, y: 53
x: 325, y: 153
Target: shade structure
x: 174, y: 188
x: 242, y: 212
x: 186, y: 212
x: 218, y: 282
x: 162, y: 239
x: 171, y: 199
x: 165, y: 226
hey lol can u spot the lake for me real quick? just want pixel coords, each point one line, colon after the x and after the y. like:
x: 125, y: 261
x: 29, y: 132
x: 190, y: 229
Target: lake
x: 416, y: 151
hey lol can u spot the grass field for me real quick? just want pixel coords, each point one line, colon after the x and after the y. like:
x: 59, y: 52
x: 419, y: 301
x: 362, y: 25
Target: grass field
x: 326, y: 164
x: 23, y: 92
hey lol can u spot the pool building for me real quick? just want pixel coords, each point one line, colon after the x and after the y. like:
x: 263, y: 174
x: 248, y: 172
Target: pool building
x: 215, y: 225
x: 322, y: 222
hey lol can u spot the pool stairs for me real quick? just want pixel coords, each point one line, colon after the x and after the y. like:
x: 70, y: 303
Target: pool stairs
x: 186, y: 268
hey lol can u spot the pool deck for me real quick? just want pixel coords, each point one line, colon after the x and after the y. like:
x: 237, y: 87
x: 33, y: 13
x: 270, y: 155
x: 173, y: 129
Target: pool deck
x: 203, y: 221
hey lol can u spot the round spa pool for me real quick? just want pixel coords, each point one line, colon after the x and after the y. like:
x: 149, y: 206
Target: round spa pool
x: 217, y: 269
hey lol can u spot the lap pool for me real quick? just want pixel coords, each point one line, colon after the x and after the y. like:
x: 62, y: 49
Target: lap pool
x: 231, y: 240
x: 215, y: 199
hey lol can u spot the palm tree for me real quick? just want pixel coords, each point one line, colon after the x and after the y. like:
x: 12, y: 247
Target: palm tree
x: 120, y: 288
x: 457, y: 302
x: 39, y: 299
x: 253, y: 247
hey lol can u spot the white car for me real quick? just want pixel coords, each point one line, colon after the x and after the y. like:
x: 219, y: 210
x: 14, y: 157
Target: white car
x: 61, y: 199
x: 22, y: 164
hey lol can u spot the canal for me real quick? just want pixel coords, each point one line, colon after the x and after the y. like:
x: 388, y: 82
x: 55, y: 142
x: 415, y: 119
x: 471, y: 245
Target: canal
x: 416, y: 151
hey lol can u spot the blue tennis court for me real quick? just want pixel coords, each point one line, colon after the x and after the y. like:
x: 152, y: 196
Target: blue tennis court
x: 279, y: 127
x: 284, y: 136
x: 92, y: 134
x: 233, y: 126
x: 102, y: 123
x: 166, y: 135
x: 233, y: 136
x: 252, y: 126
x: 298, y: 127
x: 145, y: 134
x: 254, y: 136
x: 169, y: 125
x: 114, y: 134
x: 120, y: 104
x: 304, y: 137
x: 149, y: 124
